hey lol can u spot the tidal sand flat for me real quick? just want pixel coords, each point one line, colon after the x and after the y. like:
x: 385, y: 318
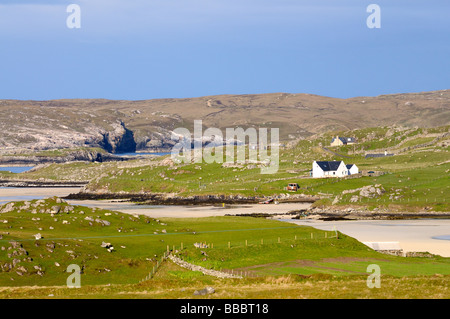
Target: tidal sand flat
x: 175, y: 211
x: 8, y: 194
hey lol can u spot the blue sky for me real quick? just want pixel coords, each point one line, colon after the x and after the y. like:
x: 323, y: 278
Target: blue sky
x: 144, y: 49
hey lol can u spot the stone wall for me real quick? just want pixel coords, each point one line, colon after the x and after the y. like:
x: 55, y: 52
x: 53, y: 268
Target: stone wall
x: 209, y: 272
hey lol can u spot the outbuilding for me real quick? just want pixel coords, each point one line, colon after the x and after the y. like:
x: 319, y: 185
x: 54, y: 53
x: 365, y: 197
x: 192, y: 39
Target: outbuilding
x: 352, y: 169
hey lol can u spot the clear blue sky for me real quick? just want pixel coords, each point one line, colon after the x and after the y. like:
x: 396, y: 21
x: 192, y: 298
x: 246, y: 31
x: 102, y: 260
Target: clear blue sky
x: 144, y: 49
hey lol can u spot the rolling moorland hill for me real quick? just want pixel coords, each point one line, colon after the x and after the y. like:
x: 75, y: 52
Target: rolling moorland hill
x: 127, y: 126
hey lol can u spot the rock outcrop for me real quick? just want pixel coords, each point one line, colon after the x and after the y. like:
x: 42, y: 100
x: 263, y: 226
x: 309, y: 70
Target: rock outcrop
x: 119, y: 140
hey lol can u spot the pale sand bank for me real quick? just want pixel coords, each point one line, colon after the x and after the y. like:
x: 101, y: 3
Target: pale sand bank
x: 28, y: 193
x: 156, y: 211
x: 174, y: 211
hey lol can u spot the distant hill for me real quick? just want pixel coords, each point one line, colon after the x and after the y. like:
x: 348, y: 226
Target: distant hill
x: 123, y: 126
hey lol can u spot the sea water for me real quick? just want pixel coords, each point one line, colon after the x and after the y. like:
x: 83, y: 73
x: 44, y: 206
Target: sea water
x: 443, y: 237
x: 16, y: 169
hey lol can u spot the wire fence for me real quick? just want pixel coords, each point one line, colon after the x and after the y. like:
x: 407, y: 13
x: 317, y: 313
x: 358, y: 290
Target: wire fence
x: 155, y: 267
x: 252, y: 243
x: 205, y: 247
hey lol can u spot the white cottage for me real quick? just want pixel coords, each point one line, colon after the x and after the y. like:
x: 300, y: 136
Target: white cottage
x: 329, y: 169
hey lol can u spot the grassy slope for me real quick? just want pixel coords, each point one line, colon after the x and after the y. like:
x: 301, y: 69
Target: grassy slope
x: 420, y: 176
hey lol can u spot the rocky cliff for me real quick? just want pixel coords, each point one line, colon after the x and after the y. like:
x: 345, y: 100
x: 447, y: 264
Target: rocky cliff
x: 119, y: 140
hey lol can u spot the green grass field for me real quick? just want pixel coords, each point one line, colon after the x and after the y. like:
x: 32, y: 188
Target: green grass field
x: 267, y: 252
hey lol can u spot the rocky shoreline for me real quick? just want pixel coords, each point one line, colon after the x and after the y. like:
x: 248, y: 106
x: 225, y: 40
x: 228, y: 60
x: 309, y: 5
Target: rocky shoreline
x: 171, y: 199
x: 354, y: 213
x: 326, y: 213
x: 40, y: 183
x: 323, y: 213
x: 84, y: 156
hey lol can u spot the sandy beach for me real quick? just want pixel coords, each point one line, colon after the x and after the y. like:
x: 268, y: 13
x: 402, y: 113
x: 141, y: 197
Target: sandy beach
x: 175, y: 211
x: 155, y: 211
x: 27, y: 193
